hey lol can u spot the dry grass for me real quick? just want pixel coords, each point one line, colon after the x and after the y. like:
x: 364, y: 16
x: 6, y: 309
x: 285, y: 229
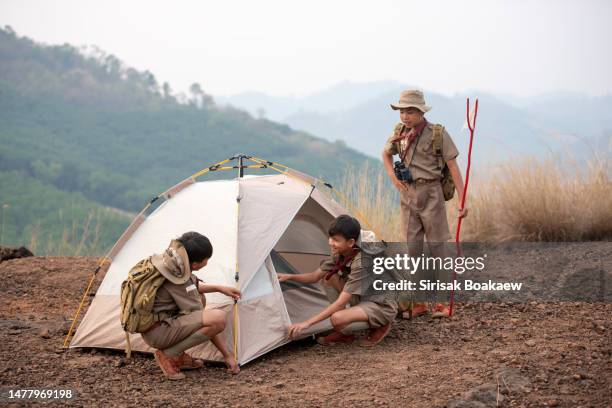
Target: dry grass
x: 528, y: 200
x: 80, y: 239
x: 373, y: 200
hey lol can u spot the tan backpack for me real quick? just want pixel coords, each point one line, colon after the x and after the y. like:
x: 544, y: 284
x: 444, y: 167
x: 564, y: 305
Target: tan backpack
x: 138, y: 296
x: 448, y: 185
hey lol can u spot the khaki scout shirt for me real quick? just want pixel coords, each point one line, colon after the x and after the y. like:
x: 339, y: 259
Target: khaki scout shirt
x: 357, y: 281
x: 173, y: 299
x: 423, y: 163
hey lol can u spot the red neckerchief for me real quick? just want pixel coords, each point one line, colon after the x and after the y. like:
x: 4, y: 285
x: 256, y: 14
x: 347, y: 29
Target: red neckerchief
x: 410, y: 136
x: 342, y: 262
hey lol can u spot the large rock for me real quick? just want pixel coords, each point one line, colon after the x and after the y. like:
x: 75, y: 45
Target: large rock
x: 508, y: 383
x: 7, y: 253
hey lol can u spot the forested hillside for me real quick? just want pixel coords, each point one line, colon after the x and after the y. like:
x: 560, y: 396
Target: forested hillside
x: 81, y: 122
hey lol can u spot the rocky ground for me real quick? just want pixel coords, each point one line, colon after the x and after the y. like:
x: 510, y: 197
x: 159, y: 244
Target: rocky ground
x: 508, y: 354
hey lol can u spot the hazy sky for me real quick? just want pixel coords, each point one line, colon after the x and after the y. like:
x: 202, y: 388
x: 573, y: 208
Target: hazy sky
x: 297, y: 47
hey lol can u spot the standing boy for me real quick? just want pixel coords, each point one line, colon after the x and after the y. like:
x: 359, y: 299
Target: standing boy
x: 423, y: 149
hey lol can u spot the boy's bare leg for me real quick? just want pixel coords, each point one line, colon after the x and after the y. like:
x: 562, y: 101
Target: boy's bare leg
x: 351, y: 319
x: 214, y: 324
x: 229, y: 358
x: 345, y: 322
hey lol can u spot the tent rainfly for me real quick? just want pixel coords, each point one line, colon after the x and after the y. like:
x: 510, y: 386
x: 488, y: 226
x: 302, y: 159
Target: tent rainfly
x: 258, y: 225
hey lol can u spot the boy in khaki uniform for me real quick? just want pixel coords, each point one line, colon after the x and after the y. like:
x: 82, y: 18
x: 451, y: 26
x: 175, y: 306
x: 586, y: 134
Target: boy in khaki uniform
x: 345, y: 279
x: 180, y: 303
x: 423, y: 209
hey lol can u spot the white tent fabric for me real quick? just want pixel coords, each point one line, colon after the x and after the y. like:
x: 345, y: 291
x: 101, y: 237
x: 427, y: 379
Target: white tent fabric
x: 278, y: 215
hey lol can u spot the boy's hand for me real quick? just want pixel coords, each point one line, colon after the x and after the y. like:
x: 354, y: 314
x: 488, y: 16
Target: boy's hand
x: 283, y: 277
x: 232, y: 292
x: 296, y: 329
x: 400, y: 185
x: 462, y: 213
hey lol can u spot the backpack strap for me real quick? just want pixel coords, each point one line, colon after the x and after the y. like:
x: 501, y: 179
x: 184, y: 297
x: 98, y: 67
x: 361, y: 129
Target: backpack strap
x: 128, y: 346
x: 397, y: 131
x: 397, y: 139
x: 437, y: 144
x: 397, y: 136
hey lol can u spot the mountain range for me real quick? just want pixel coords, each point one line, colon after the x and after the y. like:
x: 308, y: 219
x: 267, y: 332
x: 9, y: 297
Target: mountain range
x: 508, y: 127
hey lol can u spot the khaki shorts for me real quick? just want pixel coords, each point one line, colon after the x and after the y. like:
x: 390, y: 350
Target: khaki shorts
x: 172, y: 330
x: 378, y: 314
x: 423, y: 213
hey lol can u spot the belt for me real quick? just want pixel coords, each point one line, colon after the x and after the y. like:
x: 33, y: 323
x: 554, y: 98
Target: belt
x: 420, y: 182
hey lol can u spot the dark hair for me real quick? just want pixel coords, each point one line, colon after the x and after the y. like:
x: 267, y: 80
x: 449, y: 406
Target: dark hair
x: 198, y: 247
x: 345, y: 226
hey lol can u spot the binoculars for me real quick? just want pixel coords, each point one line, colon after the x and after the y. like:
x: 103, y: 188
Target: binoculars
x: 402, y: 173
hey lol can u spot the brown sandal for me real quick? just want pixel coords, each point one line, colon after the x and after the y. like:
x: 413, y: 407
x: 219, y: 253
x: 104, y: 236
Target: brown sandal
x: 168, y: 366
x: 186, y: 362
x: 376, y: 336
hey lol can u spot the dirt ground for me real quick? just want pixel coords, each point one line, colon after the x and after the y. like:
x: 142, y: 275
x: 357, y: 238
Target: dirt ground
x: 509, y: 354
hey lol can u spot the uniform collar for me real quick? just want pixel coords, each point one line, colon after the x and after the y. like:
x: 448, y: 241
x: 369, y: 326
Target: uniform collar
x: 421, y: 126
x: 419, y: 129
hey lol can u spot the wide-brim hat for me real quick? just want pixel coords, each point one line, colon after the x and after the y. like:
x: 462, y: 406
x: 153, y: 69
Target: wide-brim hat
x: 173, y: 264
x: 411, y: 98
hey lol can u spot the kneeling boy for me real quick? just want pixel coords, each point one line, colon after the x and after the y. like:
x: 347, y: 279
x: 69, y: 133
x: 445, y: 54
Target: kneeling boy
x: 344, y: 277
x: 179, y: 304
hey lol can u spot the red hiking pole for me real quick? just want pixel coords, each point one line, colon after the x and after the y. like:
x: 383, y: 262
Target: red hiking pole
x: 471, y: 125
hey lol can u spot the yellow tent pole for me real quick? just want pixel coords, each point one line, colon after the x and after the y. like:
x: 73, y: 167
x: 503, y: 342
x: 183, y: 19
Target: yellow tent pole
x: 244, y: 167
x: 237, y: 274
x: 74, y: 319
x: 219, y: 167
x: 207, y: 169
x: 85, y: 294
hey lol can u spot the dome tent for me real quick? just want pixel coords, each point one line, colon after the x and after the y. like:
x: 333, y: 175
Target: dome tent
x: 258, y: 225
